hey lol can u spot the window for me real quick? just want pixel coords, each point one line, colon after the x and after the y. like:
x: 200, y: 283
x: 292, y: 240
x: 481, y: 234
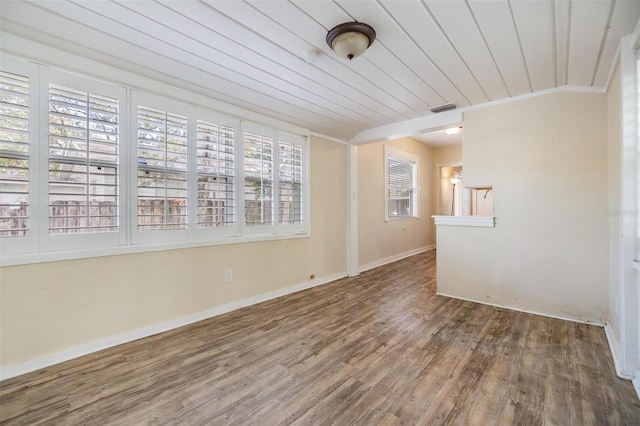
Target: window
x: 162, y: 169
x: 274, y: 177
x: 290, y: 158
x: 401, y: 189
x: 258, y: 178
x: 216, y: 175
x: 59, y: 160
x: 14, y: 155
x: 81, y: 185
x: 83, y: 161
x: 72, y: 178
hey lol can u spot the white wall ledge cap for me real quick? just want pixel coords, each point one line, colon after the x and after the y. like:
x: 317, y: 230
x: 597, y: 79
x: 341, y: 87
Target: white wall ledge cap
x: 477, y: 221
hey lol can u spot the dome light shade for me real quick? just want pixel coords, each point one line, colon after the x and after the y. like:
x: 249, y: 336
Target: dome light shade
x: 351, y: 39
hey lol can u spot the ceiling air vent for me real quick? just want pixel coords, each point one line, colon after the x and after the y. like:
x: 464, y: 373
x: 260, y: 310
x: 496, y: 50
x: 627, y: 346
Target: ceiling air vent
x: 445, y: 107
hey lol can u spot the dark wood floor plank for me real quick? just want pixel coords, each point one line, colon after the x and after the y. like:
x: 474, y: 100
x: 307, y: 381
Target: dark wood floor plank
x: 380, y: 348
x: 494, y: 386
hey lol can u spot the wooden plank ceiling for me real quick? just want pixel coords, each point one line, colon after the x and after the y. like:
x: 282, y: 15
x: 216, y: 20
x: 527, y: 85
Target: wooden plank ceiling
x: 252, y: 53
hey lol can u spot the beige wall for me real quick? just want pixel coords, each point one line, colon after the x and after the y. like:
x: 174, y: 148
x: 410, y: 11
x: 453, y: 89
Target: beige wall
x: 448, y: 155
x: 546, y: 158
x: 50, y: 307
x: 614, y: 137
x: 379, y: 240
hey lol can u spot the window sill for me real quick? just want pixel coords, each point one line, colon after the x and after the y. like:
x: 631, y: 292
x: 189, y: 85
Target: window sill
x: 400, y: 218
x: 475, y: 221
x: 55, y: 256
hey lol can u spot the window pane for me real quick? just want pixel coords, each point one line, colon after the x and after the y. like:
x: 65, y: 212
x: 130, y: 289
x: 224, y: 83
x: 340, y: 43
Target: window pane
x: 290, y: 182
x: 400, y: 207
x: 162, y: 169
x: 83, y: 161
x: 401, y: 177
x: 14, y: 155
x: 258, y: 179
x: 216, y: 175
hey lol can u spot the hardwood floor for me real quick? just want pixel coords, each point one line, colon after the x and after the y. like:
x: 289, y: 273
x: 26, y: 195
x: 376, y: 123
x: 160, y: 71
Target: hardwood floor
x: 380, y: 348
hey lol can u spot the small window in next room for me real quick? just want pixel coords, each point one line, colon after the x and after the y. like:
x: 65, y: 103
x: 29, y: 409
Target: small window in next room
x: 401, y: 184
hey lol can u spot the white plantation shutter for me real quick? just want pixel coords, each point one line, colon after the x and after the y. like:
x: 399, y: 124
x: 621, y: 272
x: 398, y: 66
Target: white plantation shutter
x: 193, y: 176
x: 216, y: 175
x: 258, y: 178
x: 83, y: 161
x: 162, y: 169
x: 14, y: 155
x: 290, y: 178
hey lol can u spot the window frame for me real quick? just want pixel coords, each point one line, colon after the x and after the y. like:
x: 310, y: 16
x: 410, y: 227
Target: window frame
x: 389, y: 153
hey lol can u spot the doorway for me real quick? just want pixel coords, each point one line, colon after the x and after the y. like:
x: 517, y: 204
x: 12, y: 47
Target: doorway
x: 451, y: 190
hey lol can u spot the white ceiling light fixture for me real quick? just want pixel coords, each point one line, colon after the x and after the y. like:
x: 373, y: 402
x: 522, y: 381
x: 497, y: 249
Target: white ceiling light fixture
x: 453, y: 130
x: 351, y: 39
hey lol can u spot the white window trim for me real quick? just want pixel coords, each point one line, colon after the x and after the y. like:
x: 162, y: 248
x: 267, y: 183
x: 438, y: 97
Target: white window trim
x: 39, y: 246
x: 393, y: 152
x: 628, y: 290
x: 54, y: 256
x: 636, y: 112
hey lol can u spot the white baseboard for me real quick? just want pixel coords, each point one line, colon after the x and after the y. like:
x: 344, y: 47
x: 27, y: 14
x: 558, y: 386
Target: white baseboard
x: 526, y: 311
x: 614, y: 354
x: 396, y: 257
x: 613, y: 347
x: 10, y: 371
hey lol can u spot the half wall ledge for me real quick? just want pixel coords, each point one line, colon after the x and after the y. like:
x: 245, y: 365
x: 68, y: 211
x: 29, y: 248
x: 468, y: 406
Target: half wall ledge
x: 477, y: 221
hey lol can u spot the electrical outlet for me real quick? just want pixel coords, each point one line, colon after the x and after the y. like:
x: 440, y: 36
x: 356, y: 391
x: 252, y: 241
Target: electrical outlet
x: 228, y: 275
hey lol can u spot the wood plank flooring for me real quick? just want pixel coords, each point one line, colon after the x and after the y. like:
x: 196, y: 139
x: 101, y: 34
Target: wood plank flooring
x: 381, y: 348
